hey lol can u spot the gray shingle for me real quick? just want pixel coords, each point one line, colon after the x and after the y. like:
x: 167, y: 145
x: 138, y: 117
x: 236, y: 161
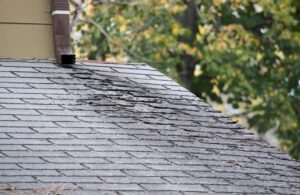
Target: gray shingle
x: 51, y: 166
x: 174, y: 187
x: 65, y: 179
x: 38, y: 147
x: 7, y: 118
x: 125, y: 129
x: 117, y: 187
x: 137, y: 180
x: 98, y: 173
x: 33, y: 153
x: 75, y: 160
x: 19, y: 160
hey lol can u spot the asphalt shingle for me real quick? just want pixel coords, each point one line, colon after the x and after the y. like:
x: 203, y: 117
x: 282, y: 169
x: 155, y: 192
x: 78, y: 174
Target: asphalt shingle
x: 105, y: 128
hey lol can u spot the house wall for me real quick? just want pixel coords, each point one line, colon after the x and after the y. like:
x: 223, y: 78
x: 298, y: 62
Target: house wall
x: 26, y: 29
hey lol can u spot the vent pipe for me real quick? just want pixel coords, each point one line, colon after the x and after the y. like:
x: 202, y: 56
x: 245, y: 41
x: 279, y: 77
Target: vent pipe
x: 61, y: 31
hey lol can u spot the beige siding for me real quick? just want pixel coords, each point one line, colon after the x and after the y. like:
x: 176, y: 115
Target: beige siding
x: 25, y: 29
x: 26, y: 41
x: 25, y: 11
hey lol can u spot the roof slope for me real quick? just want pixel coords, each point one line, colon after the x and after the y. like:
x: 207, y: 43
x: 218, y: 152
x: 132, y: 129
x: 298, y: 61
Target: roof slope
x: 125, y: 129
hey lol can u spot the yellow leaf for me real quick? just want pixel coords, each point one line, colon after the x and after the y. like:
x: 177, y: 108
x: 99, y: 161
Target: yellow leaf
x: 157, y: 56
x: 175, y: 29
x: 175, y: 9
x: 237, y: 1
x: 183, y: 46
x: 120, y: 18
x: 191, y: 50
x: 202, y: 30
x: 257, y: 42
x: 147, y: 33
x: 94, y: 48
x: 199, y: 54
x: 272, y: 94
x: 90, y: 8
x: 222, y: 46
x: 280, y: 54
x: 163, y: 2
x: 285, y: 148
x: 259, y: 56
x: 198, y: 37
x: 217, y: 2
x: 229, y: 28
x: 281, y: 69
x: 197, y: 71
x: 123, y: 27
x: 215, y: 90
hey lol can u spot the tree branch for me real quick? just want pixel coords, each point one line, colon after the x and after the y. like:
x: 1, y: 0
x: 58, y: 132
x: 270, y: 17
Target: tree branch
x: 110, y: 39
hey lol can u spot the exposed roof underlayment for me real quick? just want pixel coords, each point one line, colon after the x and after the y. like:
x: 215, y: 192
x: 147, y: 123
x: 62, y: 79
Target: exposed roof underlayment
x: 100, y: 128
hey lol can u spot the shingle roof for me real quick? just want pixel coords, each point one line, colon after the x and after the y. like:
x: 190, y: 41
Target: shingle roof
x: 100, y: 128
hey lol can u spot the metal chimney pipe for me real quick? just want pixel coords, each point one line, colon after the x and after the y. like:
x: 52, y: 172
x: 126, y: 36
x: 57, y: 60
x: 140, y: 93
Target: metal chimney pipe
x: 61, y: 32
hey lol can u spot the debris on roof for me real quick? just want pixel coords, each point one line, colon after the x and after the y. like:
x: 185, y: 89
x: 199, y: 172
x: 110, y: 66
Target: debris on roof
x: 104, y: 128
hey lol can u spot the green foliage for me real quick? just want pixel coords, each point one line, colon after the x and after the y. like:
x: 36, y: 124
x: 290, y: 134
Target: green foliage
x: 245, y: 50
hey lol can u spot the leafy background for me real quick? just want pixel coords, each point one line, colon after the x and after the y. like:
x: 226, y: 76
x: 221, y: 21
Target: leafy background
x: 242, y: 54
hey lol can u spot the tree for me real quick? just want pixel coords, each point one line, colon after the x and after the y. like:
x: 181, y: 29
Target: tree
x: 247, y: 51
